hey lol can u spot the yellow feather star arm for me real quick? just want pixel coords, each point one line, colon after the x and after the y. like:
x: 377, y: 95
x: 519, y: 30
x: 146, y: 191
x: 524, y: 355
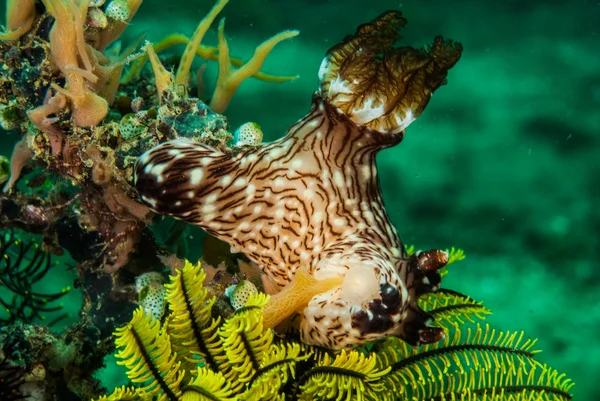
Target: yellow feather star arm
x: 480, y: 366
x: 452, y: 308
x: 208, y: 386
x: 245, y: 341
x: 352, y: 375
x: 193, y: 330
x: 523, y: 383
x: 277, y: 366
x: 455, y: 255
x: 122, y: 394
x: 145, y: 350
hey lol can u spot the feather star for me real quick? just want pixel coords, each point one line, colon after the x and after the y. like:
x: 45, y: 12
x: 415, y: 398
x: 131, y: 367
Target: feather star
x: 308, y: 208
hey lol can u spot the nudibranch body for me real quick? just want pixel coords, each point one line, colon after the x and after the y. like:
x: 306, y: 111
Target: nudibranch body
x: 312, y: 199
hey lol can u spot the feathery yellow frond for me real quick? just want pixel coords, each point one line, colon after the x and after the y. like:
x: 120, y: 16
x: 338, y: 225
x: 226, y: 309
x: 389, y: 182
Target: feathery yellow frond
x: 484, y: 362
x: 208, y: 386
x: 455, y: 255
x: 193, y: 330
x: 451, y: 308
x: 473, y: 362
x: 122, y: 394
x: 278, y: 365
x: 352, y: 375
x: 522, y: 383
x: 245, y: 340
x: 145, y: 349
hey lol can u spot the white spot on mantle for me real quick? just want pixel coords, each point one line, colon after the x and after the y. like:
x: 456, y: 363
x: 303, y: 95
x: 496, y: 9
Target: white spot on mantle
x: 196, y: 176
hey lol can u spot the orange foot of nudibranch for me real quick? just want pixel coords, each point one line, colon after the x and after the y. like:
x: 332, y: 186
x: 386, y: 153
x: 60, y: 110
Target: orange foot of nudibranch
x: 312, y: 200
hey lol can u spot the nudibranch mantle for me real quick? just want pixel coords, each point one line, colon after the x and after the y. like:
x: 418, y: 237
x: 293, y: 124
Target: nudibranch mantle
x: 312, y: 199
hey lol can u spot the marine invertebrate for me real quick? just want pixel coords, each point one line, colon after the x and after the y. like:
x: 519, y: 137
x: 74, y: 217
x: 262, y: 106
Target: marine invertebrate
x: 11, y: 378
x: 248, y: 134
x: 67, y: 44
x: 151, y: 293
x: 312, y: 200
x: 193, y: 355
x: 20, y: 15
x: 4, y: 169
x: 229, y: 79
x: 239, y: 293
x: 61, y: 78
x: 22, y: 266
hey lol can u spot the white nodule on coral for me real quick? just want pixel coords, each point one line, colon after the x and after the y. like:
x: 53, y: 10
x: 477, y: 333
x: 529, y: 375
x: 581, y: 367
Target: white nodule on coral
x: 238, y: 294
x: 248, y: 134
x: 129, y: 127
x: 118, y: 10
x: 151, y: 293
x: 360, y: 285
x: 145, y: 279
x: 152, y: 300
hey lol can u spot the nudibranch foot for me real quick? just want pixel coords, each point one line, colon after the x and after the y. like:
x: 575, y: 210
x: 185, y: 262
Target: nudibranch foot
x: 296, y: 296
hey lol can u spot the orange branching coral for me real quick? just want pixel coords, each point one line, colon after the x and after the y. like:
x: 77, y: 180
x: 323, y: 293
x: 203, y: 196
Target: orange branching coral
x: 229, y: 80
x: 163, y: 78
x: 67, y: 45
x: 20, y: 156
x: 19, y: 18
x: 117, y: 24
x: 91, y: 77
x: 209, y: 53
x: 188, y: 55
x: 40, y: 119
x: 381, y: 86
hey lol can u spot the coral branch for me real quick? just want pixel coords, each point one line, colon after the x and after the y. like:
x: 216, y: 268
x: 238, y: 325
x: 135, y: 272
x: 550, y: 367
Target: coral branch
x: 40, y: 118
x: 163, y: 78
x: 118, y: 25
x: 20, y: 156
x: 228, y: 80
x: 19, y: 18
x: 88, y: 109
x: 190, y: 50
x: 206, y: 52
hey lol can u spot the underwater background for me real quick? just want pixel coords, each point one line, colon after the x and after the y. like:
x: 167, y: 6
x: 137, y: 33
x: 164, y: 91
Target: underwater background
x: 504, y: 163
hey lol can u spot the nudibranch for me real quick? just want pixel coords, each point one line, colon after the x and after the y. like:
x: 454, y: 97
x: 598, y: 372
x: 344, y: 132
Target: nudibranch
x: 308, y: 208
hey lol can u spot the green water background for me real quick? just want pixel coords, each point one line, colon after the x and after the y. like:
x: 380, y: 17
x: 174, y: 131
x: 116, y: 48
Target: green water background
x: 503, y: 163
